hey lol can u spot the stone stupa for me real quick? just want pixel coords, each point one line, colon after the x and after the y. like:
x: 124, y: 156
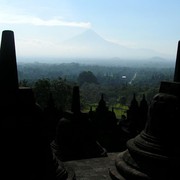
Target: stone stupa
x: 25, y: 152
x: 154, y: 154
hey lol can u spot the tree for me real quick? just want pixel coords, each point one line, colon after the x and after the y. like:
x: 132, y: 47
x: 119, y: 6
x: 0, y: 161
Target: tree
x: 59, y: 88
x: 88, y: 77
x: 62, y: 93
x: 42, y: 90
x: 90, y: 93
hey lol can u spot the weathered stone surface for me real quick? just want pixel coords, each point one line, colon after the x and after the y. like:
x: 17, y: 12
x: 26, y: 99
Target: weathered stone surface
x: 74, y: 136
x: 155, y: 152
x: 26, y: 152
x: 93, y: 168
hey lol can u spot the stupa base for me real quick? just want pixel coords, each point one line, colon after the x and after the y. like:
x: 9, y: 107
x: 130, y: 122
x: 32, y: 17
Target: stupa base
x: 127, y: 168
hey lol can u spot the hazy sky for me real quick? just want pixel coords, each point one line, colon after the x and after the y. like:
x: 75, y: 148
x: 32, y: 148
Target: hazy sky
x: 41, y: 25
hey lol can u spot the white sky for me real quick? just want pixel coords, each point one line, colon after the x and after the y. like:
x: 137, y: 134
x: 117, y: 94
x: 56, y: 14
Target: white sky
x: 41, y: 25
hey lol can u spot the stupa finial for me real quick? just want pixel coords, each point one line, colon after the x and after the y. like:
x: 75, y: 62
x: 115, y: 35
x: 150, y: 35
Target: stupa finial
x: 8, y: 66
x: 177, y: 67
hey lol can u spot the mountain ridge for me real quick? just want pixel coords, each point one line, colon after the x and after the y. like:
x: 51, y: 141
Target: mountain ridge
x: 91, y: 44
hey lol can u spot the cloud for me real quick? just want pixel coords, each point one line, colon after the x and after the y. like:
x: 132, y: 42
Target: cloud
x: 5, y: 18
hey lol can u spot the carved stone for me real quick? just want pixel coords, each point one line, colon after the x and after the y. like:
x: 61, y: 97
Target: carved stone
x: 26, y: 153
x: 155, y: 152
x: 74, y: 136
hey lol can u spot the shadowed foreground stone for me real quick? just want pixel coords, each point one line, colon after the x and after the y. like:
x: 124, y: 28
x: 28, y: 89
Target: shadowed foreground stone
x: 93, y: 168
x: 74, y: 136
x: 25, y: 150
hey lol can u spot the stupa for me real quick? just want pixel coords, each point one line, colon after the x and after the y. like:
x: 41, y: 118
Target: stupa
x: 155, y: 153
x: 104, y: 124
x: 74, y: 136
x: 25, y: 153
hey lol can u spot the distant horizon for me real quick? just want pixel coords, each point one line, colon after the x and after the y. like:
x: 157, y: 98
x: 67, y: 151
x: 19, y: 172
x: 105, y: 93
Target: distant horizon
x: 154, y: 62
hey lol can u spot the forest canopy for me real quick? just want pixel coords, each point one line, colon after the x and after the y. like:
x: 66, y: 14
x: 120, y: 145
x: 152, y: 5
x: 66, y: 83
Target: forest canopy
x: 117, y: 83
